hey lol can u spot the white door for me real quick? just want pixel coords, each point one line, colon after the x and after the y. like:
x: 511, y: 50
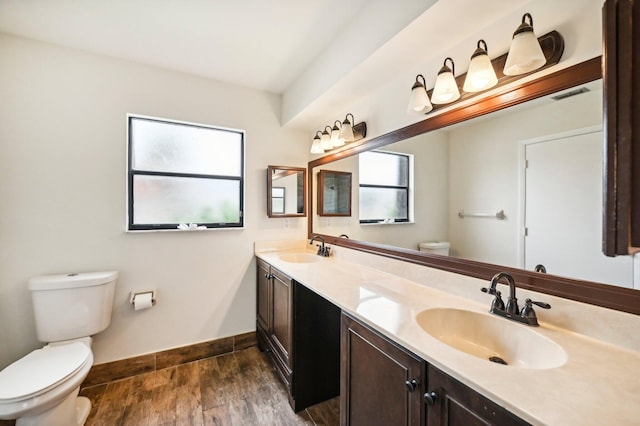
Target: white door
x: 563, y: 210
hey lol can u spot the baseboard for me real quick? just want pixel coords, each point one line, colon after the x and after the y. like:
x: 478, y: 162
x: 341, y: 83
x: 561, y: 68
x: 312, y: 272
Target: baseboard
x: 121, y: 369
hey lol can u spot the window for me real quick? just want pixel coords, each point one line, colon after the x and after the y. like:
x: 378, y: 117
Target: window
x: 277, y: 199
x: 384, y: 187
x: 183, y: 173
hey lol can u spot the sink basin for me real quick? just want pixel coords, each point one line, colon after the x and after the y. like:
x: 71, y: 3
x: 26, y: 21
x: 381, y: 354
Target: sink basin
x: 299, y: 257
x: 492, y: 338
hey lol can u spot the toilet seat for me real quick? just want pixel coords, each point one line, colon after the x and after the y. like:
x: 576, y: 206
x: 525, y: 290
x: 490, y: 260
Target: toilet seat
x: 41, y: 370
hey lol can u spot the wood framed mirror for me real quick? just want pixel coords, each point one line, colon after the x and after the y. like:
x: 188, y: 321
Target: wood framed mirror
x: 286, y: 191
x: 619, y: 298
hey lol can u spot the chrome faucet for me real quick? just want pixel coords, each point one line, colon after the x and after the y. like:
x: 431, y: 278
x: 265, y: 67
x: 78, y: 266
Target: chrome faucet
x: 511, y: 311
x: 322, y: 249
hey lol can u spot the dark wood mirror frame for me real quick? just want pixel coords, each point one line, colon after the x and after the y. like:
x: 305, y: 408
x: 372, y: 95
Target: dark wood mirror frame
x: 618, y: 298
x: 285, y: 171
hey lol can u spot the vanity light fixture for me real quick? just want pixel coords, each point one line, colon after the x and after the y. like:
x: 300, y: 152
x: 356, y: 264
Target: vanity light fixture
x: 419, y: 99
x: 525, y: 53
x: 481, y: 75
x: 338, y: 135
x: 446, y: 89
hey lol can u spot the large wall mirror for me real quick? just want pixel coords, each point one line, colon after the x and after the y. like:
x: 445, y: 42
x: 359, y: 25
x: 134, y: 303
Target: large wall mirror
x: 507, y: 188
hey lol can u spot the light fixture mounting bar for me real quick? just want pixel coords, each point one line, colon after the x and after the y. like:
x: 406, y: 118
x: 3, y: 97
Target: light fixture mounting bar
x: 359, y: 131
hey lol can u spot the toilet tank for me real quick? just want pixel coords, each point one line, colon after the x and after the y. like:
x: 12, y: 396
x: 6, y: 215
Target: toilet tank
x: 435, y: 247
x: 70, y: 306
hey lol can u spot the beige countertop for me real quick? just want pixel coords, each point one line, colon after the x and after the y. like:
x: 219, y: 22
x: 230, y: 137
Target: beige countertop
x: 599, y: 384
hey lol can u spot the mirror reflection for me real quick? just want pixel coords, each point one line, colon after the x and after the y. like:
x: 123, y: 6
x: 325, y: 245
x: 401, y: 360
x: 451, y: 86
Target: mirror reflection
x: 334, y: 193
x: 286, y: 191
x: 519, y: 188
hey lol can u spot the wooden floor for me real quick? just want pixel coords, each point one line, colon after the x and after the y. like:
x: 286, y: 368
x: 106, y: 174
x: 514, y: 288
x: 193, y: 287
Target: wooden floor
x: 240, y: 388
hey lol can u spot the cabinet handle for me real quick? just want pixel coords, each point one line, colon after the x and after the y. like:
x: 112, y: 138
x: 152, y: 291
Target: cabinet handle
x: 412, y: 385
x: 430, y: 398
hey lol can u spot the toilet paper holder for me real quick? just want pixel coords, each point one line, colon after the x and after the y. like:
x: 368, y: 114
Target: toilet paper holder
x: 132, y: 297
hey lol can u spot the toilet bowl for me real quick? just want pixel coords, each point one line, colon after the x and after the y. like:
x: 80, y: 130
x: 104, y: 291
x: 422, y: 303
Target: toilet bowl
x: 42, y: 387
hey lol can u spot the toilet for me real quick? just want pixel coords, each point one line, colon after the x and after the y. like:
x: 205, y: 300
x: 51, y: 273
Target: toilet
x: 435, y: 247
x: 42, y: 387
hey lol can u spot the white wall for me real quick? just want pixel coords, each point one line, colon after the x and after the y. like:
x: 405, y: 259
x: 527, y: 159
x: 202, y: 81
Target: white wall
x: 62, y: 186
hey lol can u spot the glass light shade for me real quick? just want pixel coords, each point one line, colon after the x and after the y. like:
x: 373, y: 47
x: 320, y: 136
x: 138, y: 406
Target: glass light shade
x: 446, y: 89
x: 481, y: 75
x: 316, y: 147
x: 336, y: 140
x: 346, y: 131
x: 325, y: 141
x: 525, y: 53
x: 419, y: 100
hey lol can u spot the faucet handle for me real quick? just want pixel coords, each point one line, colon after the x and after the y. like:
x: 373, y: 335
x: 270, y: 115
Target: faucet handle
x: 528, y: 312
x: 543, y: 305
x: 498, y: 303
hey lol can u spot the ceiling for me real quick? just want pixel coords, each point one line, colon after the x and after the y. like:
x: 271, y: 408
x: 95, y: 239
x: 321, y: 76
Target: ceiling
x: 254, y: 43
x: 320, y: 55
x: 260, y: 44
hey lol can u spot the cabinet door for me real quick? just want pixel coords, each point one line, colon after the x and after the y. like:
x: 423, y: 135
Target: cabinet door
x: 281, y: 332
x: 263, y: 296
x: 621, y: 82
x: 456, y: 404
x: 381, y: 382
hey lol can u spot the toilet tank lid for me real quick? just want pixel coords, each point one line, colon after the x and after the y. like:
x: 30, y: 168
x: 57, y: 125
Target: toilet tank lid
x: 60, y: 281
x: 435, y: 244
x: 41, y: 369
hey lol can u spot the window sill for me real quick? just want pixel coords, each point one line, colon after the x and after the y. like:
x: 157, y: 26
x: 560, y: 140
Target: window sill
x: 387, y: 223
x: 195, y: 231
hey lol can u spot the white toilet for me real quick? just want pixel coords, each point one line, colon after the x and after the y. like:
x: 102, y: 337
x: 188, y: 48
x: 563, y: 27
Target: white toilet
x: 435, y: 247
x: 42, y: 387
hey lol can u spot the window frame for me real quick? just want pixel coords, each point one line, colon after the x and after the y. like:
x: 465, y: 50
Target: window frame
x: 131, y: 173
x: 408, y: 188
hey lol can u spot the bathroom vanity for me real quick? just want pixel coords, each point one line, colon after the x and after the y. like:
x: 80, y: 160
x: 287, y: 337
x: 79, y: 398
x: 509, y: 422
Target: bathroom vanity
x: 305, y: 353
x: 395, y: 363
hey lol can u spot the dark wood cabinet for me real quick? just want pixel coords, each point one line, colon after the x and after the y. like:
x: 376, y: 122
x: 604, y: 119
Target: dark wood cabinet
x: 300, y: 331
x: 382, y: 383
x: 621, y: 86
x: 451, y: 403
x: 282, y: 325
x: 274, y: 321
x: 385, y: 384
